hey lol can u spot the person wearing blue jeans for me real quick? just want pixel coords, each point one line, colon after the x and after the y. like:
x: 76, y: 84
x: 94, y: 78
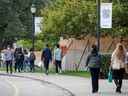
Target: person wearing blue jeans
x: 94, y: 62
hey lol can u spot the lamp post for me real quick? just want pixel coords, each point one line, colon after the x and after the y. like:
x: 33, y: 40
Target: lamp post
x: 98, y: 25
x: 33, y: 11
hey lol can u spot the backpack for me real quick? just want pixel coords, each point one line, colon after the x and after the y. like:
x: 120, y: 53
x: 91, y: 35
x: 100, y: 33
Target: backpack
x: 18, y: 56
x: 32, y: 56
x: 94, y: 61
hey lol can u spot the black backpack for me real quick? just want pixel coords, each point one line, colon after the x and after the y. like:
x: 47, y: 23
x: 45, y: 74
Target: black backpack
x: 94, y: 61
x: 18, y: 56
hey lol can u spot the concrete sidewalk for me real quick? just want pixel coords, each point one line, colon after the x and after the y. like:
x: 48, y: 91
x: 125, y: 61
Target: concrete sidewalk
x: 80, y: 86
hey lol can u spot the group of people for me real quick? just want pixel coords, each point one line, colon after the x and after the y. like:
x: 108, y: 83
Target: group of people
x: 119, y: 60
x: 20, y: 58
x: 46, y: 57
x: 24, y: 61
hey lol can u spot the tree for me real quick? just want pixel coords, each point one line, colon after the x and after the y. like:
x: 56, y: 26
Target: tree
x: 119, y: 20
x: 70, y: 18
x: 15, y: 17
x: 77, y: 18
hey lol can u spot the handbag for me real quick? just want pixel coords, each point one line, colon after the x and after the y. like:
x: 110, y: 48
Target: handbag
x: 110, y: 76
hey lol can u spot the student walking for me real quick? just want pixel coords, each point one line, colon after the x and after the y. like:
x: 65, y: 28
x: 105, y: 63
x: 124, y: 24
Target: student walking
x: 20, y: 57
x: 93, y: 62
x: 32, y: 58
x: 118, y: 65
x: 46, y: 57
x: 26, y: 63
x: 16, y: 59
x: 58, y: 58
x: 9, y: 56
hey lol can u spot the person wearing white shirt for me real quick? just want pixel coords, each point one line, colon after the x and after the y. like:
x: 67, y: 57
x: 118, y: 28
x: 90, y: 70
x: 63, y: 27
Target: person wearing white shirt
x: 118, y: 65
x: 58, y: 58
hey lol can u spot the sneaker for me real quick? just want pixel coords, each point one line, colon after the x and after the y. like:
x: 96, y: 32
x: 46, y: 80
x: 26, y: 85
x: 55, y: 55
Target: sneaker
x: 56, y: 73
x: 95, y: 92
x: 60, y: 71
x: 118, y: 90
x: 46, y: 73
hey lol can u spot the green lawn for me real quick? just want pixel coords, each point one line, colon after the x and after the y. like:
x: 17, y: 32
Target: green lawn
x: 2, y: 69
x: 78, y: 73
x: 70, y: 73
x: 52, y: 71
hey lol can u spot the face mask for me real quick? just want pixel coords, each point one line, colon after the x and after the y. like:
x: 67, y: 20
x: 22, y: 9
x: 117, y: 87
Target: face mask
x: 8, y: 48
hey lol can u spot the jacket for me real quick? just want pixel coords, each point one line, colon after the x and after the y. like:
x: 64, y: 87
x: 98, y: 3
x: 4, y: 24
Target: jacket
x: 9, y: 55
x: 116, y: 63
x: 93, y: 61
x: 46, y: 54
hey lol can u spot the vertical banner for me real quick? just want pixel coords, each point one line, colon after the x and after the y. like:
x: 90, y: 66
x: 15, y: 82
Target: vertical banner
x: 38, y: 24
x: 106, y: 15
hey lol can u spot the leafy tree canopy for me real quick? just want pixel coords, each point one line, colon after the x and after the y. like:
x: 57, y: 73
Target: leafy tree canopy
x: 77, y: 18
x: 15, y: 18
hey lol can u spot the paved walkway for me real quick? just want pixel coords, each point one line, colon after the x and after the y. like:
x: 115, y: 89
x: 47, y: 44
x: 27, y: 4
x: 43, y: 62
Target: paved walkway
x: 11, y: 85
x: 79, y: 86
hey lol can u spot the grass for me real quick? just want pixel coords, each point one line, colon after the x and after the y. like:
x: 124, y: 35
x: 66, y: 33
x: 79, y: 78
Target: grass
x: 69, y: 73
x: 77, y: 73
x: 52, y: 71
x: 2, y: 69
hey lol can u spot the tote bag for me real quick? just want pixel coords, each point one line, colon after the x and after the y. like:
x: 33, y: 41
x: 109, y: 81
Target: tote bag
x: 110, y: 76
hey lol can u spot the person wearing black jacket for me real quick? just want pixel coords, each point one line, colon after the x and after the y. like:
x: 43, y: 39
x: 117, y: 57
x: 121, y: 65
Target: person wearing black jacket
x: 16, y: 59
x: 19, y: 58
x: 46, y: 57
x: 93, y: 62
x: 32, y: 58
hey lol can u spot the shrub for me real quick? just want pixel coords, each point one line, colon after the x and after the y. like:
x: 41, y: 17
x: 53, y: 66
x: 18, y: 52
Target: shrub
x: 105, y: 60
x: 25, y: 43
x: 28, y: 44
x: 39, y: 45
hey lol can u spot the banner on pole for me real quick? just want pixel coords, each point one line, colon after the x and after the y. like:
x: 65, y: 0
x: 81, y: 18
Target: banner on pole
x: 106, y: 15
x: 38, y: 25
